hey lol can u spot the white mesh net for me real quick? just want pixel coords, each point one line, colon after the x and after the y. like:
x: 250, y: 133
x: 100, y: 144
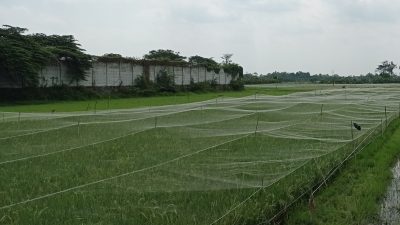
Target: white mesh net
x: 223, y: 161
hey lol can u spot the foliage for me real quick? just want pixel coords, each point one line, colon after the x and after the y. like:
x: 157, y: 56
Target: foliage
x: 236, y: 85
x: 165, y: 82
x: 65, y: 49
x: 209, y: 63
x: 142, y: 83
x: 317, y: 78
x: 386, y: 69
x: 227, y: 58
x: 162, y: 54
x: 23, y: 56
x: 234, y: 69
x: 209, y: 85
x: 112, y: 55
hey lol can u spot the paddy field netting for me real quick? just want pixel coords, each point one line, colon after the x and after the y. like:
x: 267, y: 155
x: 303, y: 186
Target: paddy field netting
x: 222, y: 161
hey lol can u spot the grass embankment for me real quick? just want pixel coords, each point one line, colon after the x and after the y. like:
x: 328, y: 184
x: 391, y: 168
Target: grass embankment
x: 135, y: 102
x: 354, y: 195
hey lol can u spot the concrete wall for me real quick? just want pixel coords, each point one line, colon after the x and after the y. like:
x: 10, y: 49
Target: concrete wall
x: 113, y: 74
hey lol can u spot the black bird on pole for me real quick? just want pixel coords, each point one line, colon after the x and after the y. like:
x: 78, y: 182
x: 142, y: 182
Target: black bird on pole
x: 358, y: 127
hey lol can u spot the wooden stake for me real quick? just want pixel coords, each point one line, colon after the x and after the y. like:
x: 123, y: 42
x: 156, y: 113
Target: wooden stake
x: 323, y: 177
x: 108, y: 103
x: 255, y: 132
x: 95, y: 107
x: 311, y: 204
x: 386, y: 116
x: 322, y: 106
x: 351, y: 128
x: 79, y: 128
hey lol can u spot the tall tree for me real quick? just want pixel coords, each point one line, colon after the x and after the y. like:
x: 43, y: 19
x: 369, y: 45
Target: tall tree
x: 227, y: 58
x: 65, y: 49
x: 22, y: 56
x: 386, y: 69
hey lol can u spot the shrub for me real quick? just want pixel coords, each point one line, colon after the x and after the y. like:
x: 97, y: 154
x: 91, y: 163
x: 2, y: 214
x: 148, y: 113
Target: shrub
x: 236, y: 85
x: 165, y: 82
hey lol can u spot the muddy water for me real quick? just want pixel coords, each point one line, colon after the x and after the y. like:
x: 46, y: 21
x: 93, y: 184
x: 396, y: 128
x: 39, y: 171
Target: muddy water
x: 390, y: 208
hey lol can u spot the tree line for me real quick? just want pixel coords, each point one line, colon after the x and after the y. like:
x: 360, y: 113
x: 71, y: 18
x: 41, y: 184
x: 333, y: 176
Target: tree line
x: 384, y: 73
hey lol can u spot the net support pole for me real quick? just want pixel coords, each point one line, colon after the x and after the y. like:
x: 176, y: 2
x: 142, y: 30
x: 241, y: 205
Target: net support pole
x: 95, y: 107
x: 386, y: 121
x: 155, y: 122
x: 3, y: 118
x: 322, y: 106
x: 322, y: 174
x: 381, y: 127
x: 19, y: 118
x: 108, y: 103
x: 255, y: 131
x: 79, y: 128
x: 351, y: 128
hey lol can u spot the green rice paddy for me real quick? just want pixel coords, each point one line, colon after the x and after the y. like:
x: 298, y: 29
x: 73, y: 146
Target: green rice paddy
x: 225, y: 160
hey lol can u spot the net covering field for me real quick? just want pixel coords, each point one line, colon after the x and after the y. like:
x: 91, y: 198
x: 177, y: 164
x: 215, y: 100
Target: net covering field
x: 222, y: 161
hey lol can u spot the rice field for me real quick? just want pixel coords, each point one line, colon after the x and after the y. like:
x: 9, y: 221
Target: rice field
x: 220, y: 161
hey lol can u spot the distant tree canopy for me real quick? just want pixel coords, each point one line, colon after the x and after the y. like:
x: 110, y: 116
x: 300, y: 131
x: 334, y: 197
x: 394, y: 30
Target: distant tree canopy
x: 112, y: 55
x: 167, y: 55
x: 23, y: 56
x: 277, y: 77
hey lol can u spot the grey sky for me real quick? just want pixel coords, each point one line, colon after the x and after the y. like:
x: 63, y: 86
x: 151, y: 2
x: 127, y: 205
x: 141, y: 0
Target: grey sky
x: 319, y: 36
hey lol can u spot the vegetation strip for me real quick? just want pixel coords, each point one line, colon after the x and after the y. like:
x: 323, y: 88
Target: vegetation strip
x: 354, y: 196
x: 136, y: 102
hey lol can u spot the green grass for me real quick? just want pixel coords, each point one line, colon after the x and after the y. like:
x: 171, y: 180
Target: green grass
x: 354, y: 196
x: 135, y: 102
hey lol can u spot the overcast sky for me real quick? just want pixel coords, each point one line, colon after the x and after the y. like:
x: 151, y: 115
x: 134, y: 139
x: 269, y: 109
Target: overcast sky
x: 319, y: 36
